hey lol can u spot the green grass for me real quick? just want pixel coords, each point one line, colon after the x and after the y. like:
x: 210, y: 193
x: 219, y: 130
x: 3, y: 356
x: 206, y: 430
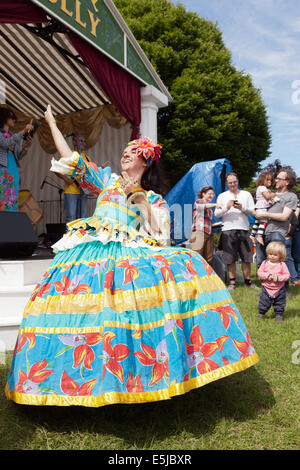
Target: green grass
x: 254, y: 409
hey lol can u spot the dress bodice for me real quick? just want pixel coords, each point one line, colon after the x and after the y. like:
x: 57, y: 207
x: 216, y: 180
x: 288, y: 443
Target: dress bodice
x: 113, y: 219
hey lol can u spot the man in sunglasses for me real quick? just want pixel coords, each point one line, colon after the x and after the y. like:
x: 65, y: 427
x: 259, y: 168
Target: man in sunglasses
x: 279, y: 219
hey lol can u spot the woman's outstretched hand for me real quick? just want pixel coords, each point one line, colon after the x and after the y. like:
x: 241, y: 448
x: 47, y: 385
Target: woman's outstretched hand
x: 49, y: 116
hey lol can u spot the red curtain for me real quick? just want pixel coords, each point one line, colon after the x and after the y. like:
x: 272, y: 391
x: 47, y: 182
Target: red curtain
x: 122, y: 89
x: 20, y: 12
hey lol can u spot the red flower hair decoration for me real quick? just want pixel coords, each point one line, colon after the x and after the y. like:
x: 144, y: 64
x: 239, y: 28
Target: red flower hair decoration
x: 145, y: 148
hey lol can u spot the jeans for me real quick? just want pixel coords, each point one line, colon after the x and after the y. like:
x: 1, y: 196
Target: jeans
x: 265, y: 301
x: 277, y: 237
x: 296, y: 252
x: 75, y: 205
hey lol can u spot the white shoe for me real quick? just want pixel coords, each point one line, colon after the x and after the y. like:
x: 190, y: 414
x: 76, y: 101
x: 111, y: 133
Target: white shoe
x: 252, y: 286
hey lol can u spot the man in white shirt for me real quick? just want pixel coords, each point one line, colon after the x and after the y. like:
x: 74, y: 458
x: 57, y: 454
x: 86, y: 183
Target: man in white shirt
x: 237, y: 205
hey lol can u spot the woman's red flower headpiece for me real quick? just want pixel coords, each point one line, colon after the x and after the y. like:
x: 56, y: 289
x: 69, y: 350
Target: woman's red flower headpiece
x: 145, y: 148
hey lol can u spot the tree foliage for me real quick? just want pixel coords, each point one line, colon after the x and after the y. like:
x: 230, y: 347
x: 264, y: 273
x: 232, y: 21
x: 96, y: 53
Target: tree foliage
x: 216, y: 111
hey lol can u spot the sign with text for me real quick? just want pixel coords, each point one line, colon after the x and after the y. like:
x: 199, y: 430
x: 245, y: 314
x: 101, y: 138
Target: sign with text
x: 94, y: 20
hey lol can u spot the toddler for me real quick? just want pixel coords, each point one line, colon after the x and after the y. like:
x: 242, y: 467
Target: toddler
x: 274, y: 273
x: 264, y: 199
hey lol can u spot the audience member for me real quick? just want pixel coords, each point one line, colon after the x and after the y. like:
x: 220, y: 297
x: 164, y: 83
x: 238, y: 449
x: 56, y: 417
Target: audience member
x: 296, y: 244
x: 202, y: 238
x: 235, y: 240
x: 264, y: 199
x: 74, y: 197
x: 279, y: 218
x: 274, y: 273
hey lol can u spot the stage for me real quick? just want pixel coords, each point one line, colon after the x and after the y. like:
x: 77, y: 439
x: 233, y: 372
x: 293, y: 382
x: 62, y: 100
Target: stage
x: 18, y: 278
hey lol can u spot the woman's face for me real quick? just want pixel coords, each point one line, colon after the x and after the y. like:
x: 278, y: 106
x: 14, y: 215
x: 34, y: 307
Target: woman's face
x: 130, y: 161
x: 209, y: 195
x: 11, y: 121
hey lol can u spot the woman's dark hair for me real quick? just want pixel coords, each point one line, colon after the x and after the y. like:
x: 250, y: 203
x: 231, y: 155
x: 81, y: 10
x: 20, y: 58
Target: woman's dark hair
x: 154, y: 179
x: 262, y: 178
x: 5, y: 114
x: 204, y: 190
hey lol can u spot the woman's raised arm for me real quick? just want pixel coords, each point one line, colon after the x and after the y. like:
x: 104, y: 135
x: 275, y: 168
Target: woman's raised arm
x: 59, y: 140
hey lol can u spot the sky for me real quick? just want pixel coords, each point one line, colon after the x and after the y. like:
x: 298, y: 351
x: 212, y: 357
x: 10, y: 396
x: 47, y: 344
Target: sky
x: 264, y: 39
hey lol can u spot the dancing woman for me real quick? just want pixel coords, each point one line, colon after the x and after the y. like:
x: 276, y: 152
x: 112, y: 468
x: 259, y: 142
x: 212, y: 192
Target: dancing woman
x: 120, y: 317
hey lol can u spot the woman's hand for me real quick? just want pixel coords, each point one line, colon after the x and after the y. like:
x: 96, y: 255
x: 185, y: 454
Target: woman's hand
x: 27, y: 128
x: 28, y: 142
x: 49, y: 118
x: 127, y: 184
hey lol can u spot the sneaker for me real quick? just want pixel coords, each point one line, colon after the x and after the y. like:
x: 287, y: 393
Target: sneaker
x: 296, y: 283
x: 231, y: 287
x: 279, y: 319
x: 261, y: 316
x: 252, y: 286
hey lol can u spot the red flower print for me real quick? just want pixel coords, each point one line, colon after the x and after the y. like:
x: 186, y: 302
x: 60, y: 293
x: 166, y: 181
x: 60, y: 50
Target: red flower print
x: 82, y: 347
x: 245, y: 347
x: 209, y: 270
x: 164, y: 265
x: 225, y: 313
x: 70, y: 387
x: 40, y: 291
x: 68, y: 286
x: 108, y: 280
x: 24, y: 337
x: 190, y: 267
x: 199, y: 352
x: 137, y: 334
x: 113, y: 355
x: 37, y: 374
x: 134, y: 384
x: 157, y: 358
x: 131, y: 271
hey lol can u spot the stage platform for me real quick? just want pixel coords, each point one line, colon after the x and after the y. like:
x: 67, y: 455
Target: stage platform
x: 18, y: 278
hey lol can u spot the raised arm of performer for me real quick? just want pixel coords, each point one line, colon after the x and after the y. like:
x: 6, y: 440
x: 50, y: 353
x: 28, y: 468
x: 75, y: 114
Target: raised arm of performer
x: 59, y: 140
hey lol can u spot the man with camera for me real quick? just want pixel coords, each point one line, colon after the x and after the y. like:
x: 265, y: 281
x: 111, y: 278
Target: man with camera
x: 235, y: 240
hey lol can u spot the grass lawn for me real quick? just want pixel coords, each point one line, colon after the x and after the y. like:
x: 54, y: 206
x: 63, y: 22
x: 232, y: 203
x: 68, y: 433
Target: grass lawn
x: 255, y: 409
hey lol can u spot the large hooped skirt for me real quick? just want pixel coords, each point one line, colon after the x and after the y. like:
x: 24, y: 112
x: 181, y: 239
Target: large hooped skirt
x: 113, y: 324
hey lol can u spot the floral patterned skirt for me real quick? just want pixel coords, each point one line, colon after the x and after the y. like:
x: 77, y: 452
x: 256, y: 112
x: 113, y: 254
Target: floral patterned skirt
x: 113, y: 324
x: 9, y: 185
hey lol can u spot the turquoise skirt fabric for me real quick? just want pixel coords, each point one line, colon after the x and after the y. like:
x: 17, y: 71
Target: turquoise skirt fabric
x: 114, y: 324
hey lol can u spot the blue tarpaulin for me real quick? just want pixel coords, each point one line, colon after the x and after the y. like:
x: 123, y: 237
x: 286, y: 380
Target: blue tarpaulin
x: 182, y: 197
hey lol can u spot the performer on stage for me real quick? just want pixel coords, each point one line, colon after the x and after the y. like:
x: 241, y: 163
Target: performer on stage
x: 10, y: 153
x: 120, y: 317
x: 74, y: 198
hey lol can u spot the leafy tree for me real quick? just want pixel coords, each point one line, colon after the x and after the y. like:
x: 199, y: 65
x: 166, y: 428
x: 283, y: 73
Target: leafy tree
x: 216, y: 111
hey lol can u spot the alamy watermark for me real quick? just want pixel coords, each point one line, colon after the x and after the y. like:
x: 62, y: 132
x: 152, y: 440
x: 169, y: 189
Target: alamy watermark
x: 296, y: 354
x: 296, y: 93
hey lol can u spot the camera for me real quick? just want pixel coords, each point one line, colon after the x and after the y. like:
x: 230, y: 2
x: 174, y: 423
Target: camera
x: 31, y: 133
